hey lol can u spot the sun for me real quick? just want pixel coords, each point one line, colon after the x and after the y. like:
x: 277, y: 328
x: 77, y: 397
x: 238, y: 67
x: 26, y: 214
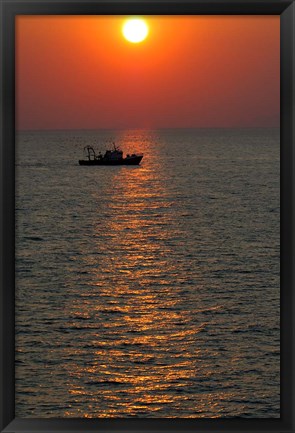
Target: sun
x: 135, y: 30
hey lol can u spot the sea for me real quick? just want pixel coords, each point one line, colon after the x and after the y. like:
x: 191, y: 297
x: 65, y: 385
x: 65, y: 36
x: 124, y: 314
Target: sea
x: 148, y: 291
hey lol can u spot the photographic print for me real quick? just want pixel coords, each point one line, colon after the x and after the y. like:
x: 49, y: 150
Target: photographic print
x: 147, y: 207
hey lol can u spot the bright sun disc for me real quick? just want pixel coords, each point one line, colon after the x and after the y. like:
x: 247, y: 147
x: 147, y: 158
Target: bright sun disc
x: 135, y: 30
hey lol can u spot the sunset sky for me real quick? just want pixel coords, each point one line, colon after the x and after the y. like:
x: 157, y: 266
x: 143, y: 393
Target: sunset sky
x: 77, y: 72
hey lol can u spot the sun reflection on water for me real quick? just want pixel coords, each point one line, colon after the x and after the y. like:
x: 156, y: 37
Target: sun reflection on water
x: 144, y: 348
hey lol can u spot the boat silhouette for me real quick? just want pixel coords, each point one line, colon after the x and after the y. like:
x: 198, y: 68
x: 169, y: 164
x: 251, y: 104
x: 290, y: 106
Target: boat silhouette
x: 111, y: 157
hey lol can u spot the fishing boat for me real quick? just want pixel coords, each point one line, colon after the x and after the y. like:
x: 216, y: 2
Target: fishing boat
x: 111, y: 157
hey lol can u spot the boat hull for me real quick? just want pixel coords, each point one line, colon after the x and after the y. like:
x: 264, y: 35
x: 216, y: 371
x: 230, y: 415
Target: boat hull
x: 124, y: 161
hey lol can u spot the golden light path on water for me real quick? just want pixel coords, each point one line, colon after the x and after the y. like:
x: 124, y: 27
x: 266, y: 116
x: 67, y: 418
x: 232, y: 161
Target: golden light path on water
x: 150, y: 345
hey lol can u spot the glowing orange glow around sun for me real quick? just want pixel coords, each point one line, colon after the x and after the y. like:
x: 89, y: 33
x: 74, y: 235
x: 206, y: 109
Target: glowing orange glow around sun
x: 189, y: 71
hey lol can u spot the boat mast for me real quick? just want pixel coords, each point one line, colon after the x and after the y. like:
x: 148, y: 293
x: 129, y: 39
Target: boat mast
x: 89, y: 151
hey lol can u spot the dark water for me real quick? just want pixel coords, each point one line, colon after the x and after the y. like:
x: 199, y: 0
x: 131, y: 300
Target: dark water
x: 148, y: 291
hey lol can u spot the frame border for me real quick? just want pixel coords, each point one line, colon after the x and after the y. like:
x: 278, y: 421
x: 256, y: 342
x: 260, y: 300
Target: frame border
x: 8, y: 10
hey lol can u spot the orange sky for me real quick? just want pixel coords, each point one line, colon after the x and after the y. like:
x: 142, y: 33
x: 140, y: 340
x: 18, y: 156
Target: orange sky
x: 202, y: 71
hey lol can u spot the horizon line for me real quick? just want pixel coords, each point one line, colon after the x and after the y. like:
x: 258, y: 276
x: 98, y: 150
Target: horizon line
x: 18, y: 130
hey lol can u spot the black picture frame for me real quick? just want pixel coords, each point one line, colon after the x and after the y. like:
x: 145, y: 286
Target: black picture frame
x: 8, y: 10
